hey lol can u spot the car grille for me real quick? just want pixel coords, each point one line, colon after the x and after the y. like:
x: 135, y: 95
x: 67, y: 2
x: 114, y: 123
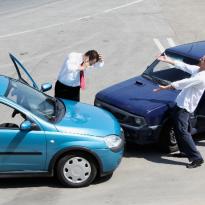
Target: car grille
x: 122, y: 116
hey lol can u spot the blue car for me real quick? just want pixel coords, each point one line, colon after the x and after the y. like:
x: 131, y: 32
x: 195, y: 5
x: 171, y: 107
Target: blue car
x: 144, y: 114
x: 42, y: 135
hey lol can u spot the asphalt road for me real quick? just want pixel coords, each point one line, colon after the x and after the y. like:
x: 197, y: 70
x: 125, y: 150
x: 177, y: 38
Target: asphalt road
x: 129, y: 34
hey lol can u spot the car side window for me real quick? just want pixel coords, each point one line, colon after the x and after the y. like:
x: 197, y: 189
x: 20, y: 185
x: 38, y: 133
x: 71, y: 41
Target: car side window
x: 10, y: 118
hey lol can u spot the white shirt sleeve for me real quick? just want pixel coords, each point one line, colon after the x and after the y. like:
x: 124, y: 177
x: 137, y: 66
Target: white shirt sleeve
x: 98, y: 65
x: 187, y: 82
x: 192, y: 69
x: 73, y: 62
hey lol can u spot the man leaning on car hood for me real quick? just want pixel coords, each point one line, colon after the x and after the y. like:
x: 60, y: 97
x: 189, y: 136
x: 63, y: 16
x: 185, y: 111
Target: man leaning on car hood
x: 192, y: 90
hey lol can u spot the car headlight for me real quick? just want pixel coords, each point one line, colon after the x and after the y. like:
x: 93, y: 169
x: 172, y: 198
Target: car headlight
x: 113, y: 142
x: 136, y: 121
x: 139, y: 121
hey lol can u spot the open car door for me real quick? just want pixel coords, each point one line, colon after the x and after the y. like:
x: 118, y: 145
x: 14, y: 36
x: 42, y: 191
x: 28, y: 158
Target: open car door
x: 22, y: 72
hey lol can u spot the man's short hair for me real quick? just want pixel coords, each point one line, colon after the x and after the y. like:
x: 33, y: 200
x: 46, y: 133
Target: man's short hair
x: 93, y: 55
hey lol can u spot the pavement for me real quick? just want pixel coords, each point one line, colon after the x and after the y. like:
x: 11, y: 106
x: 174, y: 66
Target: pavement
x: 129, y: 34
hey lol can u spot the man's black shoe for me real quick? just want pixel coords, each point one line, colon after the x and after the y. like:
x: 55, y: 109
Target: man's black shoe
x: 195, y: 163
x: 179, y: 155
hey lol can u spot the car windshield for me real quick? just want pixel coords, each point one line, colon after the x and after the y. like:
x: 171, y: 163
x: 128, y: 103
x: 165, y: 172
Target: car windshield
x: 40, y: 104
x: 163, y: 73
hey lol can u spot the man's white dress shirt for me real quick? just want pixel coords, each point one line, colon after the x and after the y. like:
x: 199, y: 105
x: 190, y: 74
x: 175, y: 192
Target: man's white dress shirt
x: 70, y: 72
x: 191, y: 88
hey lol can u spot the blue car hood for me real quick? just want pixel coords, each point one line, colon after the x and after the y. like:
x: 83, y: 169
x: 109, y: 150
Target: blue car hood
x: 136, y: 96
x: 87, y: 120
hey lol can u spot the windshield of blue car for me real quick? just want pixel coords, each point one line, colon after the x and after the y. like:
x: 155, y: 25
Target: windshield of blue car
x: 40, y: 104
x: 164, y: 73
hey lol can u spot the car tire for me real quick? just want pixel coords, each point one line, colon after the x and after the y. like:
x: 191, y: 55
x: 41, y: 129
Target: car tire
x: 107, y: 177
x: 76, y: 170
x: 167, y: 142
x: 101, y: 179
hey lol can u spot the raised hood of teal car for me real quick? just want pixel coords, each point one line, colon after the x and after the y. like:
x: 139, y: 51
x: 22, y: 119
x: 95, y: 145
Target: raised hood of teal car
x: 86, y: 119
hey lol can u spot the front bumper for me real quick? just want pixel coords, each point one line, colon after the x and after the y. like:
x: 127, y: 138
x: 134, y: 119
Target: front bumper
x: 141, y: 135
x: 138, y: 134
x: 109, y: 160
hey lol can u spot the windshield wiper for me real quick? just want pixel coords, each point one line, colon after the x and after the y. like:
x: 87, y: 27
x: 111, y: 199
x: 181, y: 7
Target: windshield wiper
x: 160, y: 81
x: 147, y: 76
x: 155, y: 79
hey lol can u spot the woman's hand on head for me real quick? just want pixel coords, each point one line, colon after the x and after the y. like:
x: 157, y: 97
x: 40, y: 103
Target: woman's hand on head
x: 101, y: 58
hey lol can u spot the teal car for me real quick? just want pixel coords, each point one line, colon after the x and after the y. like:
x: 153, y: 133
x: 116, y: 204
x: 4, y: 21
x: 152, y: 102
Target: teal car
x: 42, y: 135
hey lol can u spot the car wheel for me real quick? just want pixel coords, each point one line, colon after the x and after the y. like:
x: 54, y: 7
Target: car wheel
x: 107, y: 177
x: 76, y: 170
x: 101, y: 179
x: 167, y: 140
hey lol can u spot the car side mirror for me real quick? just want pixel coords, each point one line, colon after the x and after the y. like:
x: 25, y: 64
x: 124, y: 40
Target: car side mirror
x: 45, y: 87
x: 26, y: 125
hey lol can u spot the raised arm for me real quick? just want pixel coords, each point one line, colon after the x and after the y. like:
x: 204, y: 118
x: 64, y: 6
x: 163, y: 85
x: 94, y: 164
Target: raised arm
x: 187, y: 82
x: 166, y: 59
x: 192, y: 69
x: 181, y: 84
x: 100, y: 63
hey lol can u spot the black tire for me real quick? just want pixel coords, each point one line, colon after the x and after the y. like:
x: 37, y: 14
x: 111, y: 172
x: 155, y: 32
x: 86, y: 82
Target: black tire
x: 101, y: 179
x: 167, y: 142
x: 107, y: 177
x: 71, y: 166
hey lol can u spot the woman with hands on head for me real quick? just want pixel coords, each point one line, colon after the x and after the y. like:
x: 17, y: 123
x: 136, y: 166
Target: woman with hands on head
x: 71, y: 77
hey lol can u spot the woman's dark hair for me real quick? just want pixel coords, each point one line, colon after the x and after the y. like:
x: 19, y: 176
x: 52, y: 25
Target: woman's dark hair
x: 93, y: 55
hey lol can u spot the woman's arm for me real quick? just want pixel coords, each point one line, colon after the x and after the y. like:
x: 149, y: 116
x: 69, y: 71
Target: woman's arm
x: 73, y: 62
x: 100, y: 63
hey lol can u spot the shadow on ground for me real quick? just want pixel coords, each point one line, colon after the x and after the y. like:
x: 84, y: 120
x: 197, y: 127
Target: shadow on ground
x: 150, y: 153
x: 29, y: 182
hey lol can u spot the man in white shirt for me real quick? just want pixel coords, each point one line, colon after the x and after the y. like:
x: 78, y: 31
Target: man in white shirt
x: 71, y: 76
x: 192, y: 90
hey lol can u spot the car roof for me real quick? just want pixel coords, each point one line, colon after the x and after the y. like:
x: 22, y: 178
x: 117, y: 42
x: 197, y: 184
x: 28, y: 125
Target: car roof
x: 4, y: 82
x: 193, y: 50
